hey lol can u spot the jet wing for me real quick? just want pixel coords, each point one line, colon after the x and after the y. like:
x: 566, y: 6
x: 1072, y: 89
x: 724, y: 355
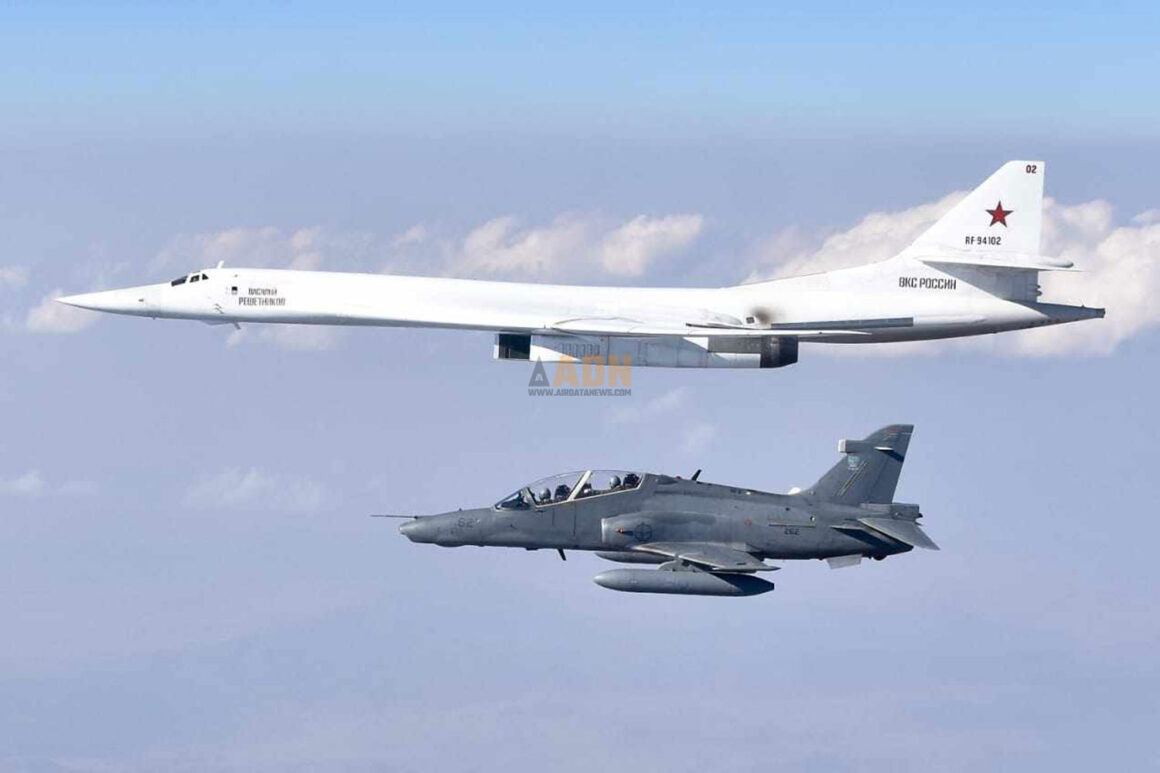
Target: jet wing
x: 711, y: 555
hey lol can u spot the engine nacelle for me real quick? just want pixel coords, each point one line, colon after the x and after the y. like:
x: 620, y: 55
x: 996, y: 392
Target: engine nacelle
x: 652, y: 352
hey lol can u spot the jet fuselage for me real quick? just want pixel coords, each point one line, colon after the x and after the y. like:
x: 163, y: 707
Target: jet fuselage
x: 666, y: 509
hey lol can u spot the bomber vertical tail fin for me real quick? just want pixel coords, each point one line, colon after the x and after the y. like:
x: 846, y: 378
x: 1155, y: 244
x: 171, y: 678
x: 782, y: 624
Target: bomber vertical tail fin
x: 1003, y: 215
x: 869, y: 471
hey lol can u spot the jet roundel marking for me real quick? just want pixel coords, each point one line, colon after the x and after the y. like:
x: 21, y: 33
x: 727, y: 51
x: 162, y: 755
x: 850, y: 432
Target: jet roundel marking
x: 643, y: 532
x: 998, y: 214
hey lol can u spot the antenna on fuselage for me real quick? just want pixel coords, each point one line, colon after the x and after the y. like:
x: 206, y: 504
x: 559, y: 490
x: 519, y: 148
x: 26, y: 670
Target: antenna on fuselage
x: 696, y: 475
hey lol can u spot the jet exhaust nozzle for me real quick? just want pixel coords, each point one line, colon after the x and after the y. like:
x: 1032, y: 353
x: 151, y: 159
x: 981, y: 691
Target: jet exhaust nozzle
x: 682, y: 582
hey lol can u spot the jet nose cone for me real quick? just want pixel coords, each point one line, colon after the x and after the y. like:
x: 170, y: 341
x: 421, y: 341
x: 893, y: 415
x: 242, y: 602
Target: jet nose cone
x: 418, y: 531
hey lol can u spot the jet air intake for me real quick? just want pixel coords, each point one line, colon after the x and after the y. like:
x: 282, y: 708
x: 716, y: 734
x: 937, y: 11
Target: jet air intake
x: 682, y: 582
x: 651, y: 351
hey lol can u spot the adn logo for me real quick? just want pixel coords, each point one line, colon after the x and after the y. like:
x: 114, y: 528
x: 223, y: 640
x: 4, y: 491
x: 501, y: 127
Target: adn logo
x: 591, y: 376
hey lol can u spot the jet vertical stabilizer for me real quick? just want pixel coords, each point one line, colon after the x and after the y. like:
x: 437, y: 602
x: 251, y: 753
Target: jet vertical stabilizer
x: 869, y: 471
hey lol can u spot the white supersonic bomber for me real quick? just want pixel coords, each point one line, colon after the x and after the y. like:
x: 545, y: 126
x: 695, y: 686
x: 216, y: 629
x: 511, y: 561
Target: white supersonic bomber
x: 975, y: 271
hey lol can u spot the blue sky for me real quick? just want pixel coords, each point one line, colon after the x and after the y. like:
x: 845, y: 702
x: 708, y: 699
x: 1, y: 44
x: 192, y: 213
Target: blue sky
x: 191, y: 579
x: 1036, y: 69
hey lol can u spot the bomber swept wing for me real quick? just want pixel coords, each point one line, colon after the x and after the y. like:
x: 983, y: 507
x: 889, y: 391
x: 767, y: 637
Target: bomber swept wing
x: 621, y: 326
x: 713, y: 556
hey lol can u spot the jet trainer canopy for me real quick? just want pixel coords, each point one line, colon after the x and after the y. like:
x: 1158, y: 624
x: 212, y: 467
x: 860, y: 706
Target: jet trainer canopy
x: 570, y: 486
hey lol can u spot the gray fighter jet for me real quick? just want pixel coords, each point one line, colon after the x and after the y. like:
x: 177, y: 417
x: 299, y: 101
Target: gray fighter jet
x: 706, y: 539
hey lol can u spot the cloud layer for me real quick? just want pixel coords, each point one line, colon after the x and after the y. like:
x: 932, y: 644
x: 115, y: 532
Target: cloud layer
x: 1120, y: 262
x: 573, y: 246
x: 13, y: 276
x: 48, y: 316
x: 30, y: 484
x: 254, y: 489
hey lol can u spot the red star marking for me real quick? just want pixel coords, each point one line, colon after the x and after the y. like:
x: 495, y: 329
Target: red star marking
x: 998, y: 214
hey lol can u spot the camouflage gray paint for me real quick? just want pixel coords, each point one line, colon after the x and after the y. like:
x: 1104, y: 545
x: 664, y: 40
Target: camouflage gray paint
x: 708, y: 539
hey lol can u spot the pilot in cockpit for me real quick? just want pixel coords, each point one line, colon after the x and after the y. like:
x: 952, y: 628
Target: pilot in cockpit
x: 562, y: 492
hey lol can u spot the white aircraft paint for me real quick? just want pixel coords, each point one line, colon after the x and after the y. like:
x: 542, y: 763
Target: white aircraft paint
x: 973, y: 272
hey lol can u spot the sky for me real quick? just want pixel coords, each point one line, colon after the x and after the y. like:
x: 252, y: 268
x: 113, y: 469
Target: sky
x: 192, y: 581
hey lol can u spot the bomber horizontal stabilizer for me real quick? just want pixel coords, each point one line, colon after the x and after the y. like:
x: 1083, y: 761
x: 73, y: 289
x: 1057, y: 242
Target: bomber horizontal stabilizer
x: 1009, y: 262
x: 713, y: 556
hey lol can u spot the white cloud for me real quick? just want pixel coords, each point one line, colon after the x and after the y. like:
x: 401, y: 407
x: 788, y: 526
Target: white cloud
x: 416, y: 234
x: 266, y: 247
x: 33, y: 484
x: 300, y: 338
x: 694, y: 436
x: 629, y: 249
x: 13, y: 276
x: 877, y: 236
x: 253, y: 489
x: 574, y: 245
x: 698, y: 436
x: 52, y: 317
x: 1120, y: 270
x: 1147, y: 217
x: 30, y: 484
x: 500, y: 246
x: 635, y: 412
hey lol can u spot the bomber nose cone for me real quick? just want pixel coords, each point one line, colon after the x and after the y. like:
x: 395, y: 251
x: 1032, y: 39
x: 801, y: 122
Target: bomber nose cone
x: 116, y: 301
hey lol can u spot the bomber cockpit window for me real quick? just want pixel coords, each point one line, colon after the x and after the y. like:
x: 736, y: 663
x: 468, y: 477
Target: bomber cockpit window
x: 608, y: 482
x: 195, y: 277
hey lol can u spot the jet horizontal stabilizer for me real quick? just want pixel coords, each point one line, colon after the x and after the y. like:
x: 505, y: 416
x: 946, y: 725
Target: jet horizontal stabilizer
x: 904, y: 531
